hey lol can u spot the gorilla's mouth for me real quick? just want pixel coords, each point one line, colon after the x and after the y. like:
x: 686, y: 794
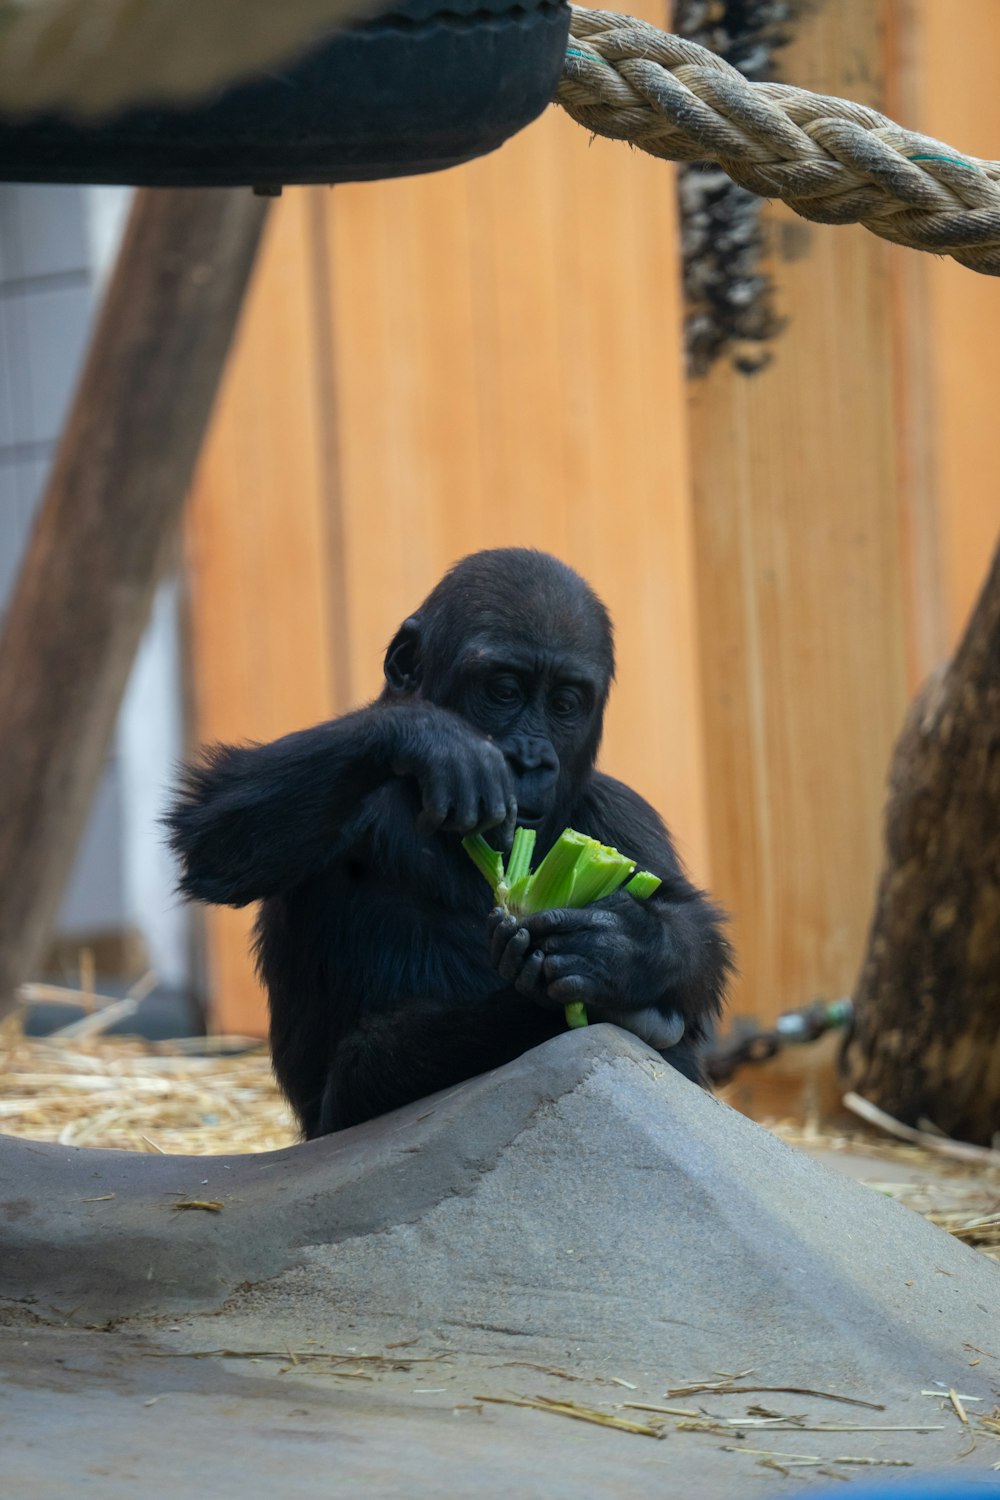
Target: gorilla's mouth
x: 527, y: 817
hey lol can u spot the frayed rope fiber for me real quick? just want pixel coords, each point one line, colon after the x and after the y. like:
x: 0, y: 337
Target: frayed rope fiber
x: 831, y: 160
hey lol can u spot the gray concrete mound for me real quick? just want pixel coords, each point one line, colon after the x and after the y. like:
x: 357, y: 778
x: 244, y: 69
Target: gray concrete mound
x: 581, y: 1224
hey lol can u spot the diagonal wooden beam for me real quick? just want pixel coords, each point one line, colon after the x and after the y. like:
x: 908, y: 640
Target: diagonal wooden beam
x: 103, y: 534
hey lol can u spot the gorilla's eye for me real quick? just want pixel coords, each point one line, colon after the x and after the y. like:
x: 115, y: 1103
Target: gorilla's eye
x: 565, y: 703
x: 504, y: 690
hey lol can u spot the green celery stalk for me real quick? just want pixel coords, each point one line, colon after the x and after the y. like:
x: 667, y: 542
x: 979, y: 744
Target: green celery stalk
x: 519, y: 860
x: 643, y: 884
x: 487, y: 860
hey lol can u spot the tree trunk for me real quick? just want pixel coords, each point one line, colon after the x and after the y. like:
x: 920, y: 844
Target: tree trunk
x: 926, y: 1035
x: 103, y: 533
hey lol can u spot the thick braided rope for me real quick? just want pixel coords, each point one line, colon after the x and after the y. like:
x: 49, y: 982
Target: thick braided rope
x: 830, y: 160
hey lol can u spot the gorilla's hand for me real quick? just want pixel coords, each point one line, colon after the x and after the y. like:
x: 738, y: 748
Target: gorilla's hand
x: 614, y: 955
x: 601, y: 955
x: 465, y: 783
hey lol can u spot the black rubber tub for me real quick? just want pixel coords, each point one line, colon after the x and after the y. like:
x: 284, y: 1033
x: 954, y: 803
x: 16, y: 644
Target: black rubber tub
x: 414, y: 90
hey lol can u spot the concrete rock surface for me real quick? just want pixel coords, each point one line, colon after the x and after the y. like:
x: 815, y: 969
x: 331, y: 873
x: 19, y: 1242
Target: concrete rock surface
x: 583, y: 1224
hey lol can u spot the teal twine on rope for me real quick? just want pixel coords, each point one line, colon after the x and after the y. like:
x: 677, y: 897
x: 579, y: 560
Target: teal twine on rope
x: 589, y: 57
x: 956, y: 161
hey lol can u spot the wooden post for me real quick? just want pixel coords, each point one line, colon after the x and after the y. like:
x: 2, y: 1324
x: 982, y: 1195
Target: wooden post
x: 103, y: 533
x: 925, y: 1038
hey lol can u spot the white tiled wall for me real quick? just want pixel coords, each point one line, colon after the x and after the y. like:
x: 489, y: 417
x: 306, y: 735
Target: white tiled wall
x: 45, y: 310
x: 55, y: 245
x: 47, y: 328
x: 42, y: 232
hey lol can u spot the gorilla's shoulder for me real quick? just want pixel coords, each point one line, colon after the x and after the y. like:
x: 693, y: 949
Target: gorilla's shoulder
x: 616, y: 814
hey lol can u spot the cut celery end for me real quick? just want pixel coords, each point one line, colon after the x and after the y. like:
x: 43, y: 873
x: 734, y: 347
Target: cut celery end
x: 598, y: 874
x: 643, y: 884
x: 576, y: 1014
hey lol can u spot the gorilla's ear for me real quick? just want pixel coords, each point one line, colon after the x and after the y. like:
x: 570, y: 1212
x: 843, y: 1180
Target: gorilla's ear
x: 402, y: 666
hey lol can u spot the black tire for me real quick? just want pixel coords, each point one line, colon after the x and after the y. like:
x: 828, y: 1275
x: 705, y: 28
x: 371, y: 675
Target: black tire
x: 415, y: 90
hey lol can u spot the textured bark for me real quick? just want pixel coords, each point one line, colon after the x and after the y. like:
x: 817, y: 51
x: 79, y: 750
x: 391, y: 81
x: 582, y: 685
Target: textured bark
x: 103, y: 533
x: 926, y: 1035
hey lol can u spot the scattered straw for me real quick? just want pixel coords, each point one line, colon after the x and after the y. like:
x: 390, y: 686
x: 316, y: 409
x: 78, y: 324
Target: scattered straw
x: 704, y: 1422
x: 991, y: 1423
x: 728, y: 1388
x: 810, y: 1460
x: 578, y: 1412
x: 531, y: 1364
x: 662, y: 1411
x: 316, y: 1361
x: 132, y: 1095
x: 958, y: 1194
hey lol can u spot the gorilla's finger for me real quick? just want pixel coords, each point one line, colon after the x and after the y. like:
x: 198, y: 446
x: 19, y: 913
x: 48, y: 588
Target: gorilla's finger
x: 502, y: 933
x: 511, y: 960
x: 559, y: 922
x: 492, y: 812
x: 562, y: 965
x: 574, y: 940
x: 497, y: 801
x: 527, y: 981
x: 464, y: 812
x: 506, y: 834
x: 436, y: 803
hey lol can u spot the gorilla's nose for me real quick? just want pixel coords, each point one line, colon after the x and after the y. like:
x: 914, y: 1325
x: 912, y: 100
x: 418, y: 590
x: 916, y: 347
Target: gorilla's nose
x: 528, y: 752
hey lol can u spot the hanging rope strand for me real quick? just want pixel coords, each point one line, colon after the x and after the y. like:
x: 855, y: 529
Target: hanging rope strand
x: 831, y: 160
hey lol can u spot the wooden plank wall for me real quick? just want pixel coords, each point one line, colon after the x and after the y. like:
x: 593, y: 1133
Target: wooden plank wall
x: 845, y: 511
x: 946, y: 71
x: 801, y: 625
x: 488, y: 356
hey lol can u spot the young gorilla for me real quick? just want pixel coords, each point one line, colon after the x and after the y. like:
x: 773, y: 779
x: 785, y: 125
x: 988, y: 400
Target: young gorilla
x: 388, y: 976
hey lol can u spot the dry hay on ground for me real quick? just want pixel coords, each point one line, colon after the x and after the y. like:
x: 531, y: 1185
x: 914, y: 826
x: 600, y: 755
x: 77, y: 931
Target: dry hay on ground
x: 960, y: 1197
x: 132, y: 1095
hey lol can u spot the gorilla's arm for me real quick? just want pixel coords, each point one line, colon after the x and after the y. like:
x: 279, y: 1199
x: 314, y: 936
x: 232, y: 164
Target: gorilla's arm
x: 620, y: 956
x: 252, y: 821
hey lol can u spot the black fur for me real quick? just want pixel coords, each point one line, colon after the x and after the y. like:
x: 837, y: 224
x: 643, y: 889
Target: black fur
x: 387, y: 974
